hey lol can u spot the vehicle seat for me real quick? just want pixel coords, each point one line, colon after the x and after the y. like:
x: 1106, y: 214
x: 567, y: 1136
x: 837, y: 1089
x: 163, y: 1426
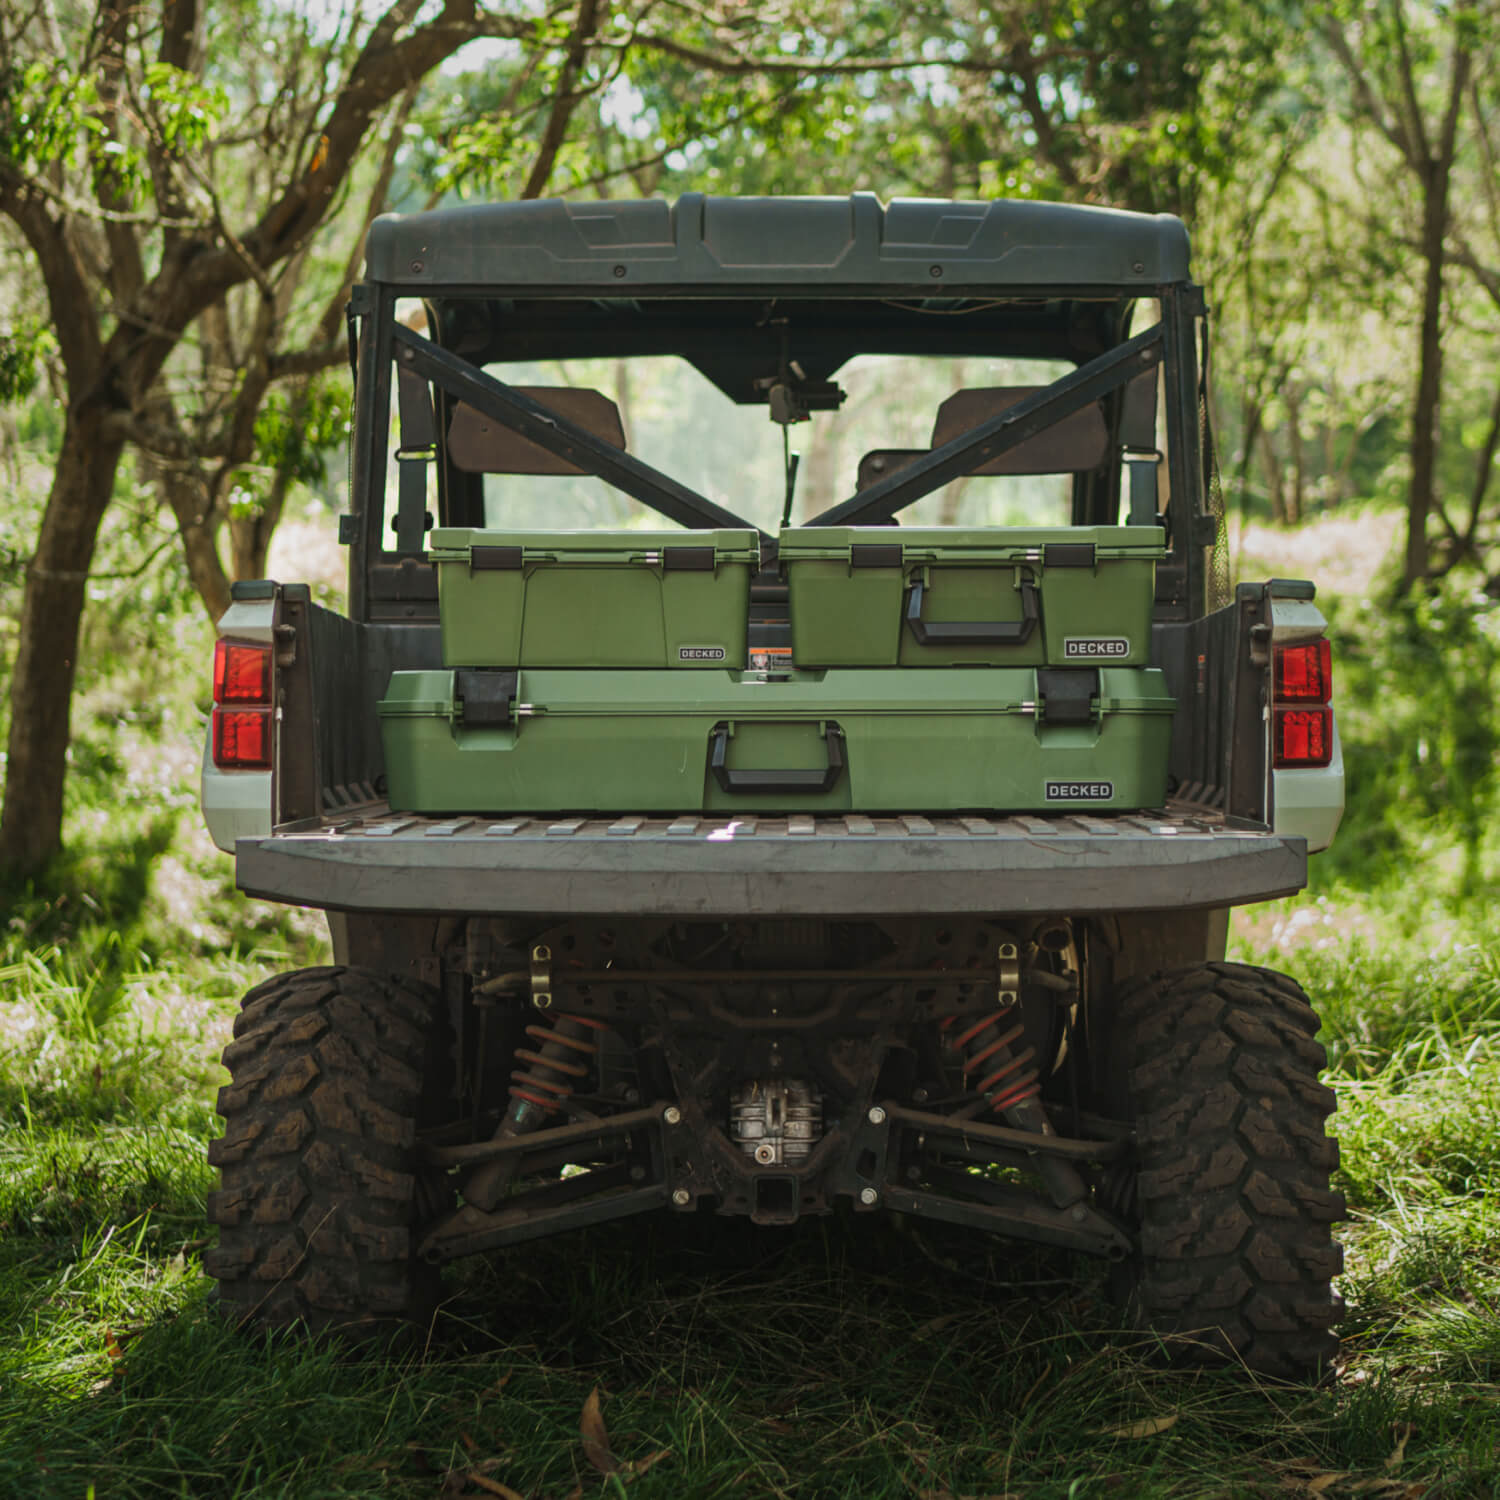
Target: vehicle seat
x: 1075, y: 444
x: 477, y: 445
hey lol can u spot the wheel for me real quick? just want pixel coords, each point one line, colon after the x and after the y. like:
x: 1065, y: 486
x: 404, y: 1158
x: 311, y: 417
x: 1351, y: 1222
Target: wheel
x: 321, y: 1193
x: 1228, y: 1189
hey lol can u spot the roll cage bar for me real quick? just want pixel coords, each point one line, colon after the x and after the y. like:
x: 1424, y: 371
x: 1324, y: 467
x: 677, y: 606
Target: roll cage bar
x: 1170, y: 343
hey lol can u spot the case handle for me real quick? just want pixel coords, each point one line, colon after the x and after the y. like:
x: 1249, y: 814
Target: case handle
x: 973, y: 632
x: 810, y: 781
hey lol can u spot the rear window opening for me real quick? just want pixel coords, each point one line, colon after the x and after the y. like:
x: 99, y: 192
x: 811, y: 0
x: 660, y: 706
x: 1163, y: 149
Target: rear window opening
x: 678, y: 422
x: 731, y: 412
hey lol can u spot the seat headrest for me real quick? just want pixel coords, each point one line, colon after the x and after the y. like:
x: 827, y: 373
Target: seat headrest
x: 478, y: 445
x: 1076, y: 443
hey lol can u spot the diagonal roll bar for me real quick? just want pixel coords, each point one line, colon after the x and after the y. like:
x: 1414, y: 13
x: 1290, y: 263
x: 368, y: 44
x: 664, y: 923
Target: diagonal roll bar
x: 1000, y: 434
x: 554, y: 432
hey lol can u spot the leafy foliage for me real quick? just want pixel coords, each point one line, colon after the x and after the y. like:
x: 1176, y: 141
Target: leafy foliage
x: 1417, y: 692
x: 47, y: 108
x: 295, y: 437
x: 23, y: 345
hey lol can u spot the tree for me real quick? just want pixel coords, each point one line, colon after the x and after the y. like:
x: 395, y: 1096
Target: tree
x: 167, y: 190
x: 1409, y: 74
x: 111, y: 166
x: 172, y: 197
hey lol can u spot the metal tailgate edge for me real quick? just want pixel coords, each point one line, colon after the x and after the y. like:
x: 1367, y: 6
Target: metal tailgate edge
x: 371, y: 860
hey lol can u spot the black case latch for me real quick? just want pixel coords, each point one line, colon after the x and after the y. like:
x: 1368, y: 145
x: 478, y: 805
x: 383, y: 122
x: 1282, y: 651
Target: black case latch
x: 1067, y: 694
x: 486, y: 695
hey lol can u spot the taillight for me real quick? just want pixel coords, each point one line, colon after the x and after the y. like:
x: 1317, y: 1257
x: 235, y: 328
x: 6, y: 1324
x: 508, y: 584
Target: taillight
x: 1302, y: 721
x: 1303, y: 736
x: 242, y: 739
x: 1304, y: 674
x: 242, y: 730
x: 242, y: 673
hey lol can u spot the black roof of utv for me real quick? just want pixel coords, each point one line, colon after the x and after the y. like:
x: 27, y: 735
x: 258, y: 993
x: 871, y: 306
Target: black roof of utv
x: 700, y: 244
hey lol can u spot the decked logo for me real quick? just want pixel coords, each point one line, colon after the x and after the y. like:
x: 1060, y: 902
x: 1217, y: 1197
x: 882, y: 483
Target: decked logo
x: 1080, y: 791
x: 700, y: 653
x: 1094, y: 647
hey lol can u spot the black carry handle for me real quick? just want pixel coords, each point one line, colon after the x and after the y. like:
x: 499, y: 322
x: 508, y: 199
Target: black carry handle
x: 973, y: 632
x: 776, y: 781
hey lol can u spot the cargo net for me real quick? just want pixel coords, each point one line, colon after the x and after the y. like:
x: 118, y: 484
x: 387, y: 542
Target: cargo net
x: 1218, y: 587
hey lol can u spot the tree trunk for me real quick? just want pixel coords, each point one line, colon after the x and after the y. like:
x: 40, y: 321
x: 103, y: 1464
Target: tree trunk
x: 1425, y: 412
x: 1271, y: 463
x: 41, y: 688
x: 192, y: 508
x: 1296, y: 506
x: 250, y: 536
x: 1435, y: 173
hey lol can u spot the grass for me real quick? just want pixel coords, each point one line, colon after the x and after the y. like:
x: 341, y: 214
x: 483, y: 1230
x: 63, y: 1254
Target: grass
x: 830, y: 1361
x: 848, y: 1357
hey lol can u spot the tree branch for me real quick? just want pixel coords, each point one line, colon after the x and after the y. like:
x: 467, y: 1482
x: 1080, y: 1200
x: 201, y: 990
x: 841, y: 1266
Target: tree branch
x: 564, y: 99
x: 1374, y: 111
x: 1416, y: 124
x: 1484, y: 467
x: 332, y: 320
x: 179, y: 33
x: 1458, y: 82
x: 127, y: 272
x: 165, y: 440
x: 312, y: 360
x: 68, y: 296
x: 384, y: 69
x: 734, y: 65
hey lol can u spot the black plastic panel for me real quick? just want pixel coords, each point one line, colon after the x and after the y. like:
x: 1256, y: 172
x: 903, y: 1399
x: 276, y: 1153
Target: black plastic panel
x: 700, y: 241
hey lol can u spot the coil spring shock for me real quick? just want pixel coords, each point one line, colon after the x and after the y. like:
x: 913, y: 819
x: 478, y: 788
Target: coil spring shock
x: 543, y: 1079
x: 1008, y: 1081
x: 1006, y: 1077
x: 547, y: 1077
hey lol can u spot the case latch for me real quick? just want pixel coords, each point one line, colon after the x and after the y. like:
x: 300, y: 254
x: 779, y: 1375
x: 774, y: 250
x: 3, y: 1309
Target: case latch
x: 1067, y: 694
x: 486, y: 695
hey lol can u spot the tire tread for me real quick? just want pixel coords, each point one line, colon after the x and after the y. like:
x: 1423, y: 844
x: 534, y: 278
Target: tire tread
x: 1232, y: 1195
x: 317, y: 1161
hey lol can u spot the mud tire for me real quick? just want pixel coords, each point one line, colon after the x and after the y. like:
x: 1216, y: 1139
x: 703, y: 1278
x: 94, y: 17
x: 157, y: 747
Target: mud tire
x: 320, y: 1197
x: 1229, y: 1191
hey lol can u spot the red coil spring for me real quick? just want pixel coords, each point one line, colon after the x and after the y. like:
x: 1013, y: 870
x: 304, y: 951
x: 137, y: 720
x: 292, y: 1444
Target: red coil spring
x: 547, y: 1077
x: 1009, y: 1078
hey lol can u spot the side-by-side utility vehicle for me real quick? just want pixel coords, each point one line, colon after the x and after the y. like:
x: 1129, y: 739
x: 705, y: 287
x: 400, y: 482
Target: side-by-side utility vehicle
x: 680, y: 857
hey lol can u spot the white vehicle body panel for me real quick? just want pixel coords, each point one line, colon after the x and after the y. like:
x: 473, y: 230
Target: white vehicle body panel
x: 238, y: 804
x: 1307, y: 802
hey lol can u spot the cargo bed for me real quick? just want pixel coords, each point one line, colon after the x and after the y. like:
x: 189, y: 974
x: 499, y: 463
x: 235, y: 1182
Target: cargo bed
x: 365, y: 858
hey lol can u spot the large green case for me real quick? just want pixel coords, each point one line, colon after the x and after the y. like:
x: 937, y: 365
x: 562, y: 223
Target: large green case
x: 637, y: 599
x: 870, y: 596
x: 863, y: 740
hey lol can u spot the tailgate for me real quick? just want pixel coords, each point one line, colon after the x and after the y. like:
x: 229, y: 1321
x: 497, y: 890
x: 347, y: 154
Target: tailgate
x: 369, y: 859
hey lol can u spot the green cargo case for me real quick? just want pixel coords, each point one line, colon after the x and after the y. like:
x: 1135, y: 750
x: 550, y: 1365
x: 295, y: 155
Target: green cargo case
x: 594, y: 598
x: 850, y: 740
x: 871, y: 596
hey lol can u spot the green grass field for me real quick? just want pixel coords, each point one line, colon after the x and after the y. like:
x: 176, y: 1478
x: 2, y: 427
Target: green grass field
x: 845, y: 1358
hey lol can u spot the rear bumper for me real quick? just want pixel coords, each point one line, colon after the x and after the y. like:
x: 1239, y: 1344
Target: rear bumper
x: 370, y: 860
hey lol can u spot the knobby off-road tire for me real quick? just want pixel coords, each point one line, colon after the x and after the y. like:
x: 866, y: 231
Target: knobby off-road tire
x: 321, y: 1198
x: 1229, y: 1190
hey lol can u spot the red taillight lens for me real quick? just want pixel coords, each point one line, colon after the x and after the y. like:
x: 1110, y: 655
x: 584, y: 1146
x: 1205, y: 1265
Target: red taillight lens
x: 1303, y: 736
x: 242, y: 739
x: 242, y: 674
x: 1304, y: 674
